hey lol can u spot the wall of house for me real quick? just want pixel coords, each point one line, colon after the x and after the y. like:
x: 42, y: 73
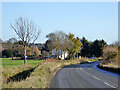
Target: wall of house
x: 62, y: 55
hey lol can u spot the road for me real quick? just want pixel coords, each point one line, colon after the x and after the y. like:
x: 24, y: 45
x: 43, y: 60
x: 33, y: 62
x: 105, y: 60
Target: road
x: 84, y: 76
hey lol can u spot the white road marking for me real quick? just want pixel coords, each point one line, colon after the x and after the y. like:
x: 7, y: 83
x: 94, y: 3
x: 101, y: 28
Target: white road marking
x: 98, y: 78
x: 109, y: 85
x: 95, y: 77
x: 90, y: 75
x: 89, y: 68
x: 85, y: 72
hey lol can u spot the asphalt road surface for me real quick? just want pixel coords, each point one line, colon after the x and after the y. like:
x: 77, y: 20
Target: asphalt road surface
x: 84, y: 76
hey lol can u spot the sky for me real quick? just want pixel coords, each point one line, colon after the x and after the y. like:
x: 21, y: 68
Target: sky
x: 93, y: 20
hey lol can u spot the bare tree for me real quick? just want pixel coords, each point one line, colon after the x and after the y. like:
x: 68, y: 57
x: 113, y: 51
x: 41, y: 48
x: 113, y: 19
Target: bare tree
x: 27, y: 32
x: 59, y: 41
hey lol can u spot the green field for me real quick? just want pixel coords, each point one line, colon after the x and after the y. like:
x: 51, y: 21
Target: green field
x: 10, y: 62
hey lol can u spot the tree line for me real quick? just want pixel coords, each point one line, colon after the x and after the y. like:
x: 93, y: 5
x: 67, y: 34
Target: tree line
x: 74, y: 45
x: 14, y: 48
x: 94, y: 48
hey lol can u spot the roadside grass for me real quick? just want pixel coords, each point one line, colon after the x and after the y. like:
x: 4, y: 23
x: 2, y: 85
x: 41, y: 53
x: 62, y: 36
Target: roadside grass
x: 89, y: 59
x: 92, y: 60
x: 41, y: 76
x: 12, y: 67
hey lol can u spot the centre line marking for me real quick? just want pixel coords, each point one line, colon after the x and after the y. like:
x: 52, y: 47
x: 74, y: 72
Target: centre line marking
x: 85, y: 72
x: 95, y: 77
x: 109, y: 85
x: 98, y: 78
x: 90, y: 75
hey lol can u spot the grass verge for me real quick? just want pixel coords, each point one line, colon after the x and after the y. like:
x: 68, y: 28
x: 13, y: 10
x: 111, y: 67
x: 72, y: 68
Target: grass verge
x: 11, y: 68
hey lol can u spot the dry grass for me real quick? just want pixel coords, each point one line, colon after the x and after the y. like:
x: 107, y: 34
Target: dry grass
x: 38, y: 79
x: 8, y: 71
x: 89, y: 59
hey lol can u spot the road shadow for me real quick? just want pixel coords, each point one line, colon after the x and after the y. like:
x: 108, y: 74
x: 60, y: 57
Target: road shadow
x: 81, y: 65
x: 20, y: 76
x: 114, y: 70
x: 73, y: 66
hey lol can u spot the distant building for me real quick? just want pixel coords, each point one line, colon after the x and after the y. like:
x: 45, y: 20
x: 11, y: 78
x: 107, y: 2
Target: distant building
x: 61, y: 54
x: 39, y: 45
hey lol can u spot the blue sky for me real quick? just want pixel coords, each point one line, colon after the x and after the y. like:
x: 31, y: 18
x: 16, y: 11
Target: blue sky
x: 94, y: 20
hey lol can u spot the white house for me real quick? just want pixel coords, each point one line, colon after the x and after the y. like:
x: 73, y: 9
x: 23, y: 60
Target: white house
x: 60, y: 53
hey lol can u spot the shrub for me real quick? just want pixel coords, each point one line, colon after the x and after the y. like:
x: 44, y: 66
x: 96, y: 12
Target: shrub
x: 7, y: 53
x: 110, y: 55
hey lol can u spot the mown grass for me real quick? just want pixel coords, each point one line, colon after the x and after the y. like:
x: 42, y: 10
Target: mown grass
x: 10, y: 62
x: 41, y: 76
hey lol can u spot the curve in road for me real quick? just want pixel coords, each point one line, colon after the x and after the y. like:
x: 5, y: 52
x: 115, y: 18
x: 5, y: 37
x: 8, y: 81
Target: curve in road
x: 84, y: 76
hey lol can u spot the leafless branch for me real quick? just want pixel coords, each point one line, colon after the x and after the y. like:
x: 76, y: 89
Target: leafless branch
x: 26, y: 30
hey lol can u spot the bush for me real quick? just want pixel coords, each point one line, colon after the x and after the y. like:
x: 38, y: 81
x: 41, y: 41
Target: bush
x: 110, y: 55
x: 7, y: 53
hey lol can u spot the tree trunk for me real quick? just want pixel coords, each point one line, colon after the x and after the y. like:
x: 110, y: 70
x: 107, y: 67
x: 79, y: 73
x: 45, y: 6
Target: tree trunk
x: 77, y: 55
x: 64, y: 55
x: 24, y: 54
